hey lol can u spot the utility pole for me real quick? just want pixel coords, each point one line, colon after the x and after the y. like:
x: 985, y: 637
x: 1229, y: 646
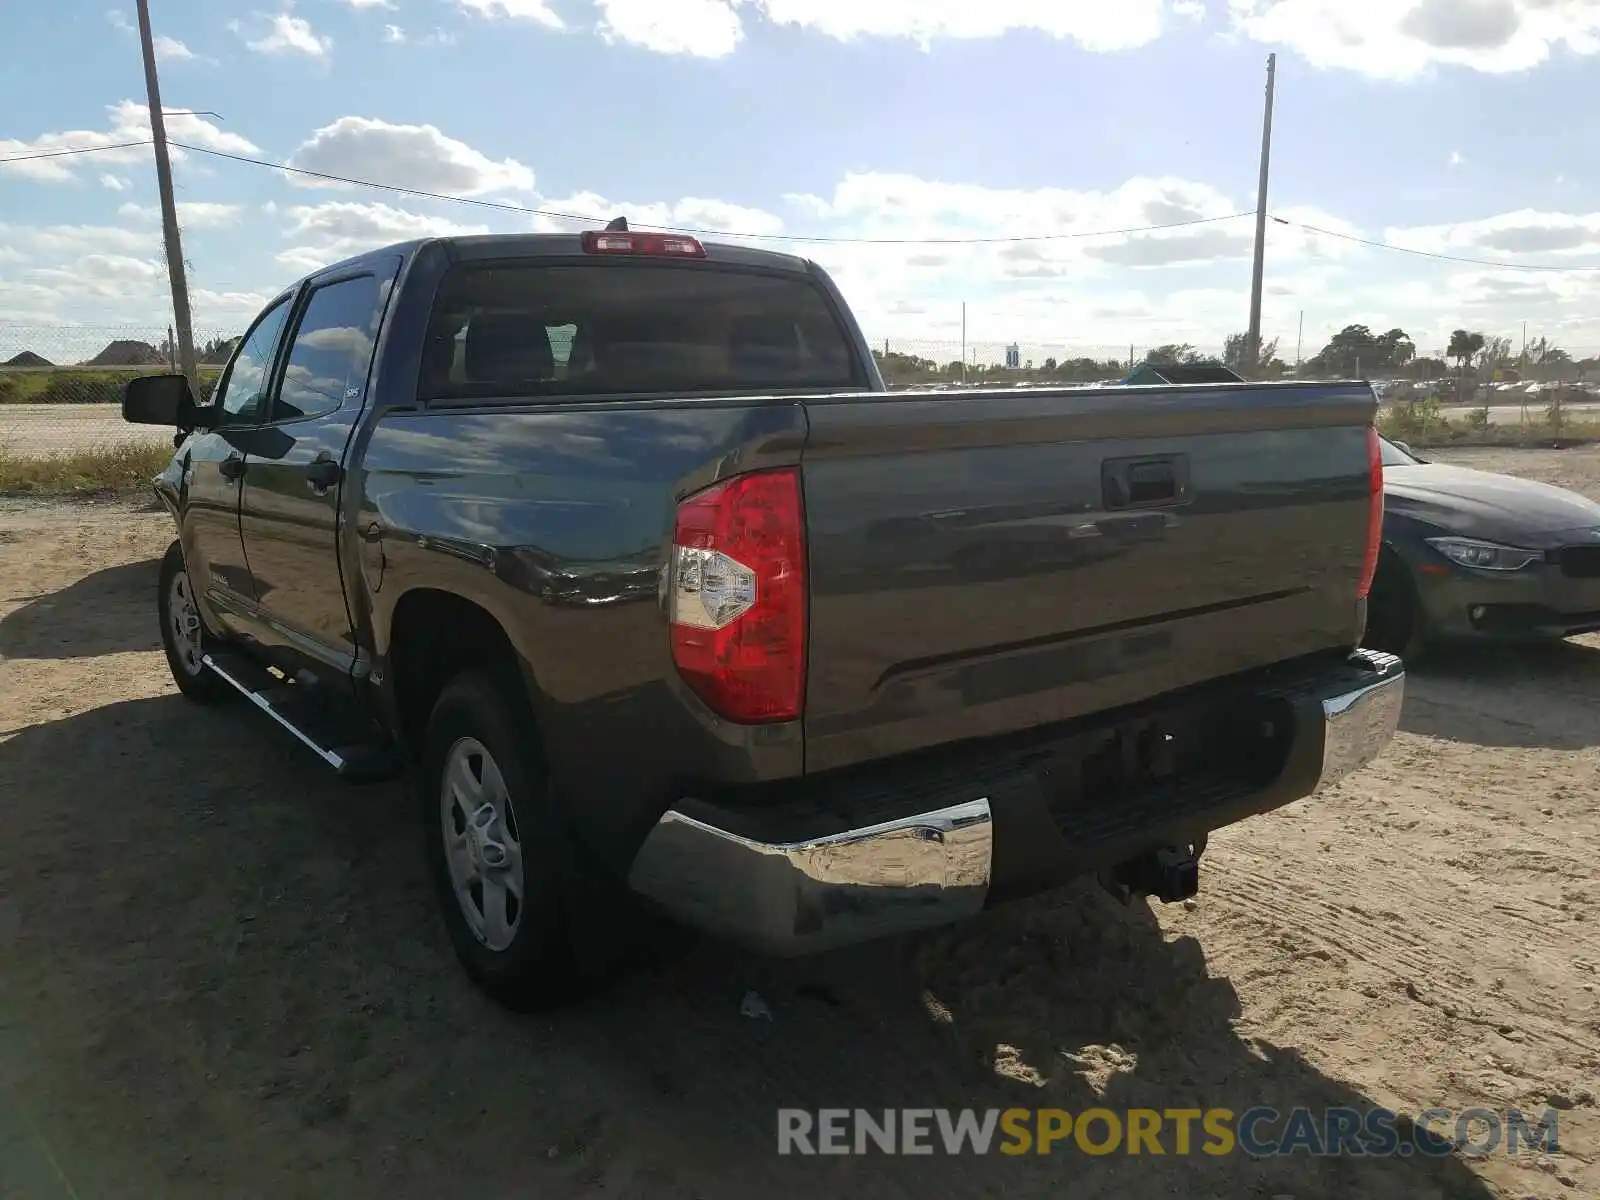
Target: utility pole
x: 1253, y: 339
x: 169, y: 207
x: 963, y: 341
x: 1299, y: 341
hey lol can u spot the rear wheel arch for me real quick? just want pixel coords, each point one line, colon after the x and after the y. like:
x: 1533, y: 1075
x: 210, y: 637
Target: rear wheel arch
x: 434, y: 637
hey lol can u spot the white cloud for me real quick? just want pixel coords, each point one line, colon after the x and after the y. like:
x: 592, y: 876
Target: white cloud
x: 714, y: 28
x: 396, y: 35
x: 129, y: 122
x: 168, y: 49
x: 1386, y: 38
x: 192, y: 214
x: 1516, y: 236
x: 707, y: 28
x: 288, y: 34
x: 415, y: 156
x: 1456, y: 159
x: 63, y: 241
x: 689, y: 213
x: 326, y: 233
x: 1060, y: 221
x: 370, y: 3
x: 1095, y: 26
x: 537, y: 11
x: 221, y: 306
x: 114, y: 183
x: 1402, y: 38
x: 172, y: 50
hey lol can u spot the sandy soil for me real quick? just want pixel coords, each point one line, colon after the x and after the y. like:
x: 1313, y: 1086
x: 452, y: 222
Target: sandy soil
x: 221, y: 973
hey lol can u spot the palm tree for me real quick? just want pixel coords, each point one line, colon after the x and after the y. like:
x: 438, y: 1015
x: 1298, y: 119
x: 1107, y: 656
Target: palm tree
x: 1464, y: 347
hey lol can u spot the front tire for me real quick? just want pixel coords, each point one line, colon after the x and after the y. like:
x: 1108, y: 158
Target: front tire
x: 183, y: 633
x: 530, y: 925
x: 1396, y: 623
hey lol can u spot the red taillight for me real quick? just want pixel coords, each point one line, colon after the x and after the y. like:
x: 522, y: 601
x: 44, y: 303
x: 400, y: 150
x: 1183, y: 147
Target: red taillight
x: 661, y: 245
x: 1369, y: 563
x: 737, y: 597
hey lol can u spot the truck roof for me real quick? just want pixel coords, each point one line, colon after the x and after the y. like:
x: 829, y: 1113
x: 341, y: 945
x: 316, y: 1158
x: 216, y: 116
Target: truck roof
x: 496, y: 246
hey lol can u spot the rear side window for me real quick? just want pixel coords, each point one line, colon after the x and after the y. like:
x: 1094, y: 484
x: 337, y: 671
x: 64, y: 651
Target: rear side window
x: 589, y: 329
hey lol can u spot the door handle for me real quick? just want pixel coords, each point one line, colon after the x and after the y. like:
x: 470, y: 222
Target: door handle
x: 232, y: 468
x: 1141, y: 482
x: 322, y: 473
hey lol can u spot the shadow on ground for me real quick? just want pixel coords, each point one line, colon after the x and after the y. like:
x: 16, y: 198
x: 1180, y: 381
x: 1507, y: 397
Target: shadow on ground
x: 108, y: 612
x: 1536, y: 696
x: 224, y: 976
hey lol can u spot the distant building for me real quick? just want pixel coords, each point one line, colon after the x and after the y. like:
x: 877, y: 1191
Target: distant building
x: 1013, y: 357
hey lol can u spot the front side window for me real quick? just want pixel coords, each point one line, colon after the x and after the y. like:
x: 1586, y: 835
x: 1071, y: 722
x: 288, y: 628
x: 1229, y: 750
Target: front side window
x: 331, y: 352
x: 243, y: 394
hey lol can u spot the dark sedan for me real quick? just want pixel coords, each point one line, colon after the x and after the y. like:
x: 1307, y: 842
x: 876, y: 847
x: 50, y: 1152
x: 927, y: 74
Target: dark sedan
x: 1474, y: 555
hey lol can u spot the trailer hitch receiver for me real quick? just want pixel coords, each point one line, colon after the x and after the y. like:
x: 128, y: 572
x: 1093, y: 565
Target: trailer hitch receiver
x: 1170, y: 874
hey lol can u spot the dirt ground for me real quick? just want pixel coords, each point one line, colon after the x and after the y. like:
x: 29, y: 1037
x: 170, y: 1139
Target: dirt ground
x: 222, y: 975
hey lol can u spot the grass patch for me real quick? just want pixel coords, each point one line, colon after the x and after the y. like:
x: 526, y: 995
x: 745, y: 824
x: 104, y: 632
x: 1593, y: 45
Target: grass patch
x: 80, y: 385
x: 1425, y: 424
x: 105, y: 471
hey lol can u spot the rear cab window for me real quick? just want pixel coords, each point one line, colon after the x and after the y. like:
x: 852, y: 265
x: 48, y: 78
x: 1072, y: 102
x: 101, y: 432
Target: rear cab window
x: 543, y: 328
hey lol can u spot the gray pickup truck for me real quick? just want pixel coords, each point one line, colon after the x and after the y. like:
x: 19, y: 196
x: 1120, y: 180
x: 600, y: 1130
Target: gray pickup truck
x: 617, y: 541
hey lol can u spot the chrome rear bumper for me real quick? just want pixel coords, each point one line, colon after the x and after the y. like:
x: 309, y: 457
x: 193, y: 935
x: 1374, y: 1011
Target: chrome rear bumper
x: 800, y: 897
x: 935, y: 867
x: 1357, y: 724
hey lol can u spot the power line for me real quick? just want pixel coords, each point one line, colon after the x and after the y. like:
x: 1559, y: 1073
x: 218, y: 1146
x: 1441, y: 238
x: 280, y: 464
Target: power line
x: 527, y: 210
x: 1452, y: 258
x: 79, y: 150
x: 504, y: 206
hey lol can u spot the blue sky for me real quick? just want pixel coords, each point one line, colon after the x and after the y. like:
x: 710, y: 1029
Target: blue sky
x: 1459, y: 127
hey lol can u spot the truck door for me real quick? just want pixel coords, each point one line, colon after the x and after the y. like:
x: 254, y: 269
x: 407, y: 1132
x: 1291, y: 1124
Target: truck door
x: 290, y: 511
x: 214, y: 472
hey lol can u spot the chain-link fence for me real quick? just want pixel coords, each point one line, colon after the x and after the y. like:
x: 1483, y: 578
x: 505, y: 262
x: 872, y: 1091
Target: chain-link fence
x: 61, y: 386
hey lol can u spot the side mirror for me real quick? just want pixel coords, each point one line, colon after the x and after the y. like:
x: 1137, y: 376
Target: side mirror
x: 158, y: 400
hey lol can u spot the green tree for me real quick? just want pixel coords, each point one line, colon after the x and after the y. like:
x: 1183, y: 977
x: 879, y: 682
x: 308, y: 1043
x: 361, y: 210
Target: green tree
x: 1235, y: 353
x: 1464, y: 346
x: 1174, y: 352
x: 217, y: 350
x: 1493, y: 354
x: 1395, y: 349
x: 1356, y: 350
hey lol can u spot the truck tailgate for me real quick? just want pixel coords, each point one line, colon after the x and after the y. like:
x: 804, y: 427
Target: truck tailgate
x: 985, y: 562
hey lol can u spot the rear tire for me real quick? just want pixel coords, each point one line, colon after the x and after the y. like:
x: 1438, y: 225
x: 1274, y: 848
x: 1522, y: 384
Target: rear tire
x: 184, y: 636
x: 531, y: 925
x: 1396, y: 623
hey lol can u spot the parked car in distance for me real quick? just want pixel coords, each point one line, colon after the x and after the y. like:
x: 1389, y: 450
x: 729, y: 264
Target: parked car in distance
x: 617, y: 542
x: 1477, y: 555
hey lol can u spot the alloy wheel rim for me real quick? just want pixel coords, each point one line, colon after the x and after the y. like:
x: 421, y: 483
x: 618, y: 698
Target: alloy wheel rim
x: 481, y: 844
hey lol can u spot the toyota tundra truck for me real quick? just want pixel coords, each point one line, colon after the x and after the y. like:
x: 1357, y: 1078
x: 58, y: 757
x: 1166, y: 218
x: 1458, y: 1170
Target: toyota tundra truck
x: 616, y: 541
